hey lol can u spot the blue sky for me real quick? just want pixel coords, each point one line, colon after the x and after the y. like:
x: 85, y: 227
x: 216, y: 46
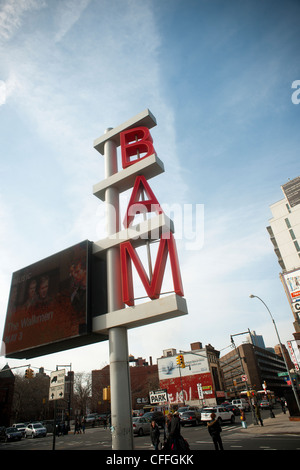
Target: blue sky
x: 217, y: 76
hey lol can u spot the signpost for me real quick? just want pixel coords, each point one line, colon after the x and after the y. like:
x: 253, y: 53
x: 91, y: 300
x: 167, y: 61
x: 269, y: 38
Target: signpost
x: 57, y: 385
x: 139, y: 164
x: 56, y: 392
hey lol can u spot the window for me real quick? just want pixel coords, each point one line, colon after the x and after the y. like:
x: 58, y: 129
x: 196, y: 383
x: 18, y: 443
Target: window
x: 288, y: 224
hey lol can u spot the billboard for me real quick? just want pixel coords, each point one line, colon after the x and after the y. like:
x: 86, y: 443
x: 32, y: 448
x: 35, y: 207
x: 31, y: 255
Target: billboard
x: 292, y: 191
x: 168, y: 368
x: 52, y: 302
x: 292, y: 284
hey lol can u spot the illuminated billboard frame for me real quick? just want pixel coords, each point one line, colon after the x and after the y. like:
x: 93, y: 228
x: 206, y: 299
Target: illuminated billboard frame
x: 52, y: 303
x: 292, y: 284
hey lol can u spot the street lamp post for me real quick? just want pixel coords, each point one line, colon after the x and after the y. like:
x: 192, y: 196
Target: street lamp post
x: 287, y: 369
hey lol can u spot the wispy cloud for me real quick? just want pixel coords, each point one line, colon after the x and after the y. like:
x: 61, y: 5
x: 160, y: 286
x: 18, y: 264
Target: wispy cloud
x: 12, y: 13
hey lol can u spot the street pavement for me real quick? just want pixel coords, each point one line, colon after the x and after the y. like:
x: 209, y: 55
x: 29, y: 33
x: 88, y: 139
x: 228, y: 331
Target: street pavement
x: 281, y: 424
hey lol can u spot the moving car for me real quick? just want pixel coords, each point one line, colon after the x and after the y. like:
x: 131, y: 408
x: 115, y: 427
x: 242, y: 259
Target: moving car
x: 140, y: 425
x: 221, y: 413
x: 35, y: 430
x: 264, y: 404
x: 190, y: 417
x: 241, y: 403
x: 235, y: 410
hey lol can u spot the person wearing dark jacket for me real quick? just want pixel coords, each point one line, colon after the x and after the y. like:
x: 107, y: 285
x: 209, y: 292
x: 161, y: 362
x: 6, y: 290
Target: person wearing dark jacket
x: 175, y: 432
x: 214, y: 429
x: 154, y: 434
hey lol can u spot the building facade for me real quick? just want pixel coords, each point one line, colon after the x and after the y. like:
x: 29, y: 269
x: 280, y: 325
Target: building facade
x: 249, y: 365
x: 143, y: 379
x: 284, y: 232
x: 284, y: 227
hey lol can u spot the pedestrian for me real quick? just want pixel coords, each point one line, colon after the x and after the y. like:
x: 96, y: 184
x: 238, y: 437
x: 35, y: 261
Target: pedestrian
x: 174, y: 432
x: 243, y: 419
x: 214, y: 429
x: 83, y: 425
x: 154, y: 434
x: 258, y: 414
x: 105, y: 422
x: 167, y: 427
x: 282, y: 403
x: 271, y: 410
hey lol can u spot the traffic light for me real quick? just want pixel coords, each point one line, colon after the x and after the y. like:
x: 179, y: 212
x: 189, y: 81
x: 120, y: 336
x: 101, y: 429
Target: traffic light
x: 180, y: 361
x: 29, y: 373
x: 106, y: 393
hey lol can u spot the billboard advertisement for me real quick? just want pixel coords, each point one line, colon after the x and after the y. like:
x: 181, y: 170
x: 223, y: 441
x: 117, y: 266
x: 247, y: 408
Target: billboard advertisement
x: 292, y: 284
x: 182, y: 383
x: 51, y: 303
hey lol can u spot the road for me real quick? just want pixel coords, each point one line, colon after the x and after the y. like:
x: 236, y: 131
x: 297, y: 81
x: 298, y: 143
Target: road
x: 234, y: 437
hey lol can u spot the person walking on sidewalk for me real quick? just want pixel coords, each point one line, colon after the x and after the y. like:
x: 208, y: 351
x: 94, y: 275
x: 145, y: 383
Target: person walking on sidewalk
x: 154, y: 434
x: 258, y: 414
x: 214, y: 429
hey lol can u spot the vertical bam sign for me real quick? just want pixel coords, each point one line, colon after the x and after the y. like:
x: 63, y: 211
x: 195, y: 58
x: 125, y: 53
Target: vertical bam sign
x: 139, y: 163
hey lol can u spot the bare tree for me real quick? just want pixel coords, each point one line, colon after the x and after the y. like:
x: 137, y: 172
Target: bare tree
x: 82, y: 393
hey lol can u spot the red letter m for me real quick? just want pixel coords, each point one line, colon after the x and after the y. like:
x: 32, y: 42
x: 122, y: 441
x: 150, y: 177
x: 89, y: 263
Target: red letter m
x: 152, y: 288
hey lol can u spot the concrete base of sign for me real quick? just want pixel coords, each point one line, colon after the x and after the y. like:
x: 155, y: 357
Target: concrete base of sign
x: 124, y: 179
x: 167, y: 307
x: 149, y: 230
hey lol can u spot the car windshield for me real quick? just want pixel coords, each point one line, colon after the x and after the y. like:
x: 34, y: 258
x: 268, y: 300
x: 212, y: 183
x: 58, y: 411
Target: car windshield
x: 37, y: 425
x: 11, y: 430
x: 209, y: 410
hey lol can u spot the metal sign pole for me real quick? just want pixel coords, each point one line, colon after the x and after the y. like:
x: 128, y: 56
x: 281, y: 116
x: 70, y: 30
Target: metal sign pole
x: 121, y: 419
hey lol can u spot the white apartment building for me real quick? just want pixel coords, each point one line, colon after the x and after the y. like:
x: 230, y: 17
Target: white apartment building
x: 284, y: 228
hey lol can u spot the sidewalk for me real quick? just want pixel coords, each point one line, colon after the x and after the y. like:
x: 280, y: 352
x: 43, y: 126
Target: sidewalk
x: 281, y: 424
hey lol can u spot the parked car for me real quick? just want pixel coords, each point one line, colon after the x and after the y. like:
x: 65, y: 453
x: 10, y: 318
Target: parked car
x: 190, y: 417
x: 140, y: 425
x: 235, y: 410
x: 221, y: 413
x: 264, y: 404
x: 241, y: 403
x: 158, y: 417
x: 35, y: 430
x: 20, y: 427
x: 12, y: 434
x: 91, y: 418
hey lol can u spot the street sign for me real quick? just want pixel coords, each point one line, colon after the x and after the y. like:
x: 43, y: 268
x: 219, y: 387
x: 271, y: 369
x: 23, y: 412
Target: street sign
x: 282, y: 374
x: 244, y: 378
x: 200, y: 391
x: 57, y: 385
x: 158, y: 396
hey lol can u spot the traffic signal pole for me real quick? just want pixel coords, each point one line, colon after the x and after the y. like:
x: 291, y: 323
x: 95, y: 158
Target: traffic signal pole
x: 121, y: 416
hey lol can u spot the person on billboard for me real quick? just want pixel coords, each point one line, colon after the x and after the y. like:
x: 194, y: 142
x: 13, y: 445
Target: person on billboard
x: 43, y: 297
x: 32, y: 295
x: 78, y: 286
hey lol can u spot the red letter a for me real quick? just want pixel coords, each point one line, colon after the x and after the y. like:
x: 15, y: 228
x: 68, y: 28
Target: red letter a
x: 137, y: 206
x: 152, y: 288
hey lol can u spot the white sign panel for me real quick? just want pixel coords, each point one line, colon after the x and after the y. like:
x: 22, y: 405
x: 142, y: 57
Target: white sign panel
x: 200, y: 391
x: 158, y: 396
x: 293, y: 355
x: 57, y: 385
